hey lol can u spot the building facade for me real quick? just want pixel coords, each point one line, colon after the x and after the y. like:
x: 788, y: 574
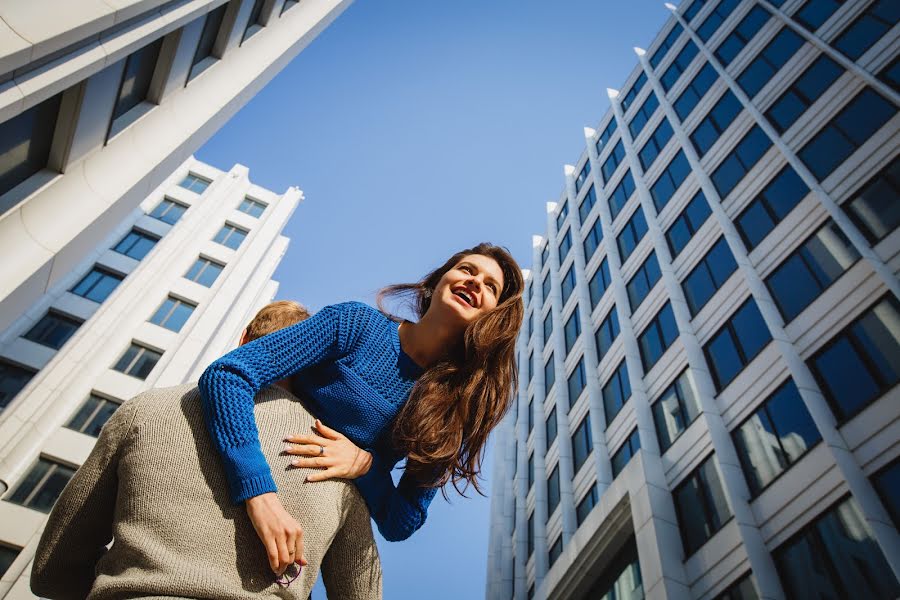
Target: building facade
x: 101, y: 101
x: 162, y: 295
x: 708, y: 402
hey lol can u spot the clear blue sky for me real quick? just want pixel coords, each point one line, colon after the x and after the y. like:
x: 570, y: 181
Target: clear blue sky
x: 416, y: 128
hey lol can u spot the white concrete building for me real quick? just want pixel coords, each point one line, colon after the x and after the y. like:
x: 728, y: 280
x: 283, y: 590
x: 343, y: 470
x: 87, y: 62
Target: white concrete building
x: 101, y: 100
x: 709, y: 403
x: 160, y: 296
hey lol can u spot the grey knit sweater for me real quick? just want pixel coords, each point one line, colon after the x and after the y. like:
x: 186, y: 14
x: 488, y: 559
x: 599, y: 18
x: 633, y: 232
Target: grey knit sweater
x: 155, y: 487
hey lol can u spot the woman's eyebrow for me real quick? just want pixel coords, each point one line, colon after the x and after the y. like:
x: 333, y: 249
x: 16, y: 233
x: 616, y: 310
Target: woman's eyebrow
x: 488, y: 276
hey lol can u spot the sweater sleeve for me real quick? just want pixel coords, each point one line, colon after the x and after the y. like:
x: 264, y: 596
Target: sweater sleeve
x: 229, y: 385
x: 81, y: 522
x: 398, y: 511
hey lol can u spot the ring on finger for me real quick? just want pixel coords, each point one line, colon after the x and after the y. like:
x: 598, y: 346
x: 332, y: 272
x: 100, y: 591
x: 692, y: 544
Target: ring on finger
x: 321, y: 450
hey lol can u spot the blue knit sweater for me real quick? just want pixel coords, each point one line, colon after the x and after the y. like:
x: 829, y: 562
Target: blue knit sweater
x: 346, y: 359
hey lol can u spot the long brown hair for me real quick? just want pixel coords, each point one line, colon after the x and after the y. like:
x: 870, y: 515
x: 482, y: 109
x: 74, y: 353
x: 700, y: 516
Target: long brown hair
x: 455, y: 404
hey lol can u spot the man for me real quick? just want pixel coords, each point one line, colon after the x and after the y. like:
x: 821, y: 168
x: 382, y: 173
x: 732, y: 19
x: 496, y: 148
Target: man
x: 154, y: 485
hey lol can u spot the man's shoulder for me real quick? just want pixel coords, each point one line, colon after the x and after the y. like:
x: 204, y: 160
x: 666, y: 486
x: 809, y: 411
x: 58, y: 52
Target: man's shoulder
x: 156, y: 396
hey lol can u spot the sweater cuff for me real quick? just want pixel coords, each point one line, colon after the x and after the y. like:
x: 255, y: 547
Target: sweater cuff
x: 248, y: 472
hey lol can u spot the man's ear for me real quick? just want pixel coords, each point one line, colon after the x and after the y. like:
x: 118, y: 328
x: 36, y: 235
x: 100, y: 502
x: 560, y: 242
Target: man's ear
x: 244, y: 337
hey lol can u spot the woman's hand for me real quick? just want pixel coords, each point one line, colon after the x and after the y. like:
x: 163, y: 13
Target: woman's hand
x: 280, y: 533
x: 331, y: 451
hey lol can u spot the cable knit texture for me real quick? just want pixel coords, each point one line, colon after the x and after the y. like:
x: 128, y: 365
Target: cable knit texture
x: 153, y: 484
x: 346, y: 361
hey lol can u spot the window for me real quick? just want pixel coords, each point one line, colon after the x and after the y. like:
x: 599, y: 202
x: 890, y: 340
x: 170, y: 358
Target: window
x: 850, y: 129
x: 12, y: 379
x: 42, y: 485
x: 887, y: 484
x: 612, y: 161
x: 675, y: 410
x: 137, y: 361
x: 607, y: 133
x: 621, y: 578
x: 774, y: 56
x: 581, y: 443
x: 810, y: 270
x: 556, y: 550
x: 718, y: 16
x: 876, y: 207
x: 586, y: 505
x: 136, y: 244
x: 632, y: 234
x: 625, y: 452
x: 568, y: 285
x: 670, y: 180
x: 53, y: 330
x: 25, y: 142
x: 92, y: 415
x: 616, y: 392
x: 577, y: 381
x: 530, y: 365
x: 599, y: 283
x: 807, y: 88
x: 97, y: 285
x: 549, y: 375
x: 254, y: 23
x: 204, y: 271
x: 530, y: 541
x: 135, y: 83
x: 657, y: 337
x: 545, y: 288
x: 891, y: 74
x: 530, y: 470
x: 548, y: 326
x: 607, y: 333
x: 629, y: 97
x: 572, y: 330
x: 230, y: 236
x: 173, y: 313
x: 640, y: 284
x: 643, y: 115
x: 550, y: 426
x: 708, y: 276
x: 545, y: 255
x: 815, y: 12
x: 565, y: 245
x: 552, y: 491
x: 288, y: 4
x: 194, y: 183
x: 168, y: 211
x: 740, y: 590
x: 561, y: 217
x: 655, y: 144
x: 666, y: 45
x: 748, y: 27
x: 878, y: 18
x: 736, y: 344
x: 775, y: 437
x: 771, y: 206
x: 835, y: 556
x: 205, y: 46
x: 8, y: 556
x: 700, y: 506
x: 620, y: 195
x: 687, y: 224
x: 744, y: 157
x: 530, y: 321
x: 587, y: 203
x: 582, y: 177
x: 679, y: 65
x: 707, y: 133
x: 252, y: 207
x: 691, y: 11
x: 592, y: 240
x: 860, y: 363
x: 694, y: 92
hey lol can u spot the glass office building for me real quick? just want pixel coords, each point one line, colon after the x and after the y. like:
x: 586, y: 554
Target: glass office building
x: 708, y: 402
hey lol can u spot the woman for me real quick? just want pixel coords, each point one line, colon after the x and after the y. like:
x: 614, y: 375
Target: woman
x: 431, y: 391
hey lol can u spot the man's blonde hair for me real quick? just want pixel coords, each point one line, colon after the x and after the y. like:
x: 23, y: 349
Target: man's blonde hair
x: 274, y: 316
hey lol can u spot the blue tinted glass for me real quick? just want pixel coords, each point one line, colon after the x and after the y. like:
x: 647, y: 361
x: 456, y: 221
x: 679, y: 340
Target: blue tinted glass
x: 587, y: 203
x: 549, y: 375
x: 593, y: 239
x: 704, y: 136
x: 568, y: 284
x: 877, y: 338
x: 581, y: 443
x: 599, y: 282
x: 786, y: 110
x: 752, y: 147
x: 678, y: 236
x: 727, y: 175
x: 793, y: 287
x: 607, y: 133
x: 887, y: 483
x: 721, y: 262
x: 868, y: 28
x: 755, y: 223
x: 751, y: 330
x: 891, y: 74
x: 795, y: 428
x: 846, y: 379
x: 863, y: 116
x: 785, y: 192
x: 815, y: 12
x: 722, y: 355
x: 607, y: 333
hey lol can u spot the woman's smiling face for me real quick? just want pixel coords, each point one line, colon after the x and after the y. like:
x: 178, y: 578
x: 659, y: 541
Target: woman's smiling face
x: 470, y: 288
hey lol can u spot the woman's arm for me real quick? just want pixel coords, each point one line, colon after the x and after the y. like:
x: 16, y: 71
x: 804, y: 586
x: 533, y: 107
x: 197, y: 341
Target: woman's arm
x: 400, y: 510
x: 229, y: 385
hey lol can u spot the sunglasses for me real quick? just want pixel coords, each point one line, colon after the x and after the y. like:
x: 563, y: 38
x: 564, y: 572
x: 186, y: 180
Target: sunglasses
x: 289, y: 576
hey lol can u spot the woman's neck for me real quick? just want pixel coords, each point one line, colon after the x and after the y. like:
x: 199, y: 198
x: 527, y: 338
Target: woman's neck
x: 428, y: 341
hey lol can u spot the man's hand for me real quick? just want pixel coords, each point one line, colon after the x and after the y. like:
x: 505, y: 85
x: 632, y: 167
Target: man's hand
x: 280, y: 533
x: 331, y: 451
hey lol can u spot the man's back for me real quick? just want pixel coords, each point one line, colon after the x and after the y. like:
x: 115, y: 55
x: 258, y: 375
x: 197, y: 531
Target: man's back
x: 156, y: 479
